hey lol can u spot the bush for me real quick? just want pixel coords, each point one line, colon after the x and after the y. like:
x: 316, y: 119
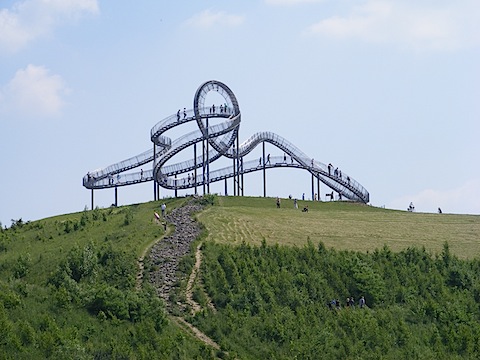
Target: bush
x: 22, y: 266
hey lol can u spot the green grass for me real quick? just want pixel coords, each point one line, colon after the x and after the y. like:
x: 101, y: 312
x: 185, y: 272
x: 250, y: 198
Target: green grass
x: 37, y: 315
x: 59, y: 320
x: 48, y: 241
x: 339, y: 225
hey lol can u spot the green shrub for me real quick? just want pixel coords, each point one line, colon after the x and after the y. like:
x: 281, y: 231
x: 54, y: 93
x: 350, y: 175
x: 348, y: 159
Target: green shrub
x: 22, y: 266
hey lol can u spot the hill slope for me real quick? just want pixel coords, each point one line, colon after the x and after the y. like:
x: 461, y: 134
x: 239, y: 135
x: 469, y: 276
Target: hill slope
x: 68, y: 284
x: 68, y: 289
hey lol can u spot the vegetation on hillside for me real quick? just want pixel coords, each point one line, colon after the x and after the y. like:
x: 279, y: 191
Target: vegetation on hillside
x: 67, y: 290
x: 68, y: 284
x: 272, y: 302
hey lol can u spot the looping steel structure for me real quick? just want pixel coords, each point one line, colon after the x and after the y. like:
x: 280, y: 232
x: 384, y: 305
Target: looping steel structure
x: 217, y: 133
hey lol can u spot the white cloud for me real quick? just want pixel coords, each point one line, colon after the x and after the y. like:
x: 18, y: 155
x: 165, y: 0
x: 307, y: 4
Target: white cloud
x: 442, y: 25
x: 459, y: 200
x: 28, y: 20
x: 34, y: 91
x: 208, y: 19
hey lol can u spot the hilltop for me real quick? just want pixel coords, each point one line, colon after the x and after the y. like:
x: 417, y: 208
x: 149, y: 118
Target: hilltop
x: 339, y: 225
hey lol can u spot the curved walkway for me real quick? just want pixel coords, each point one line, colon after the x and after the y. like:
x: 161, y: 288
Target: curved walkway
x: 218, y: 127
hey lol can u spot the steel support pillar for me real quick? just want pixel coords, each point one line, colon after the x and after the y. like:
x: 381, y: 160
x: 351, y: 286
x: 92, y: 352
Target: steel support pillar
x: 318, y: 189
x: 313, y: 189
x: 233, y: 178
x: 208, y: 162
x: 203, y: 165
x: 195, y: 166
x: 264, y: 172
x: 238, y: 167
x: 153, y: 174
x: 243, y: 185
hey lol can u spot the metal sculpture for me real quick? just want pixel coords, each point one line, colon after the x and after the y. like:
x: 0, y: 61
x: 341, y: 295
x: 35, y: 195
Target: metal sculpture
x: 217, y: 139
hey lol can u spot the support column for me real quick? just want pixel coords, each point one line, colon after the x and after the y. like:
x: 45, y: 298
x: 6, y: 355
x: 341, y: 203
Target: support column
x: 175, y: 183
x: 264, y: 173
x: 195, y: 166
x: 234, y: 175
x: 238, y: 167
x: 116, y: 196
x: 318, y: 189
x: 153, y: 174
x: 313, y: 189
x: 208, y: 162
x: 226, y: 190
x: 243, y: 186
x: 203, y: 165
x: 92, y: 199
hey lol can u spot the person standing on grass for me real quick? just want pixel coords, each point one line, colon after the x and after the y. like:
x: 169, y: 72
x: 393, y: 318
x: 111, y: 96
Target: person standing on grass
x: 295, y: 203
x: 361, y: 303
x: 278, y: 202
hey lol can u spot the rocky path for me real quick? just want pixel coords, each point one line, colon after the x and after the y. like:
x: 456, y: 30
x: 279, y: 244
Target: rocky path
x: 165, y: 255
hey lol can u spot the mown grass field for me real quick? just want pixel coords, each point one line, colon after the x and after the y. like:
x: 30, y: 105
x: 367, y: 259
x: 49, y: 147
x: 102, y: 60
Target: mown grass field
x: 339, y: 225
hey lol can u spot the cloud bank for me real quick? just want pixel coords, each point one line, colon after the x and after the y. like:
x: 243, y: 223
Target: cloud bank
x: 209, y: 19
x: 437, y: 25
x: 33, y: 91
x: 29, y: 20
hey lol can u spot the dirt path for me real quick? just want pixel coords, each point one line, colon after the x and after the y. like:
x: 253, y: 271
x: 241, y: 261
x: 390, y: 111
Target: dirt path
x: 198, y: 334
x: 191, y: 281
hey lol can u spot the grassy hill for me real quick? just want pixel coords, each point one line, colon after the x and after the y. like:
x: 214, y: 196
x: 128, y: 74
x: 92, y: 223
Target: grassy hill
x: 67, y: 283
x: 67, y: 289
x: 339, y: 225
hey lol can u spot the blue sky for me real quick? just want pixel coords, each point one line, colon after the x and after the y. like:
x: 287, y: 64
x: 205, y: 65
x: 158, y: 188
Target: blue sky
x: 387, y: 90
